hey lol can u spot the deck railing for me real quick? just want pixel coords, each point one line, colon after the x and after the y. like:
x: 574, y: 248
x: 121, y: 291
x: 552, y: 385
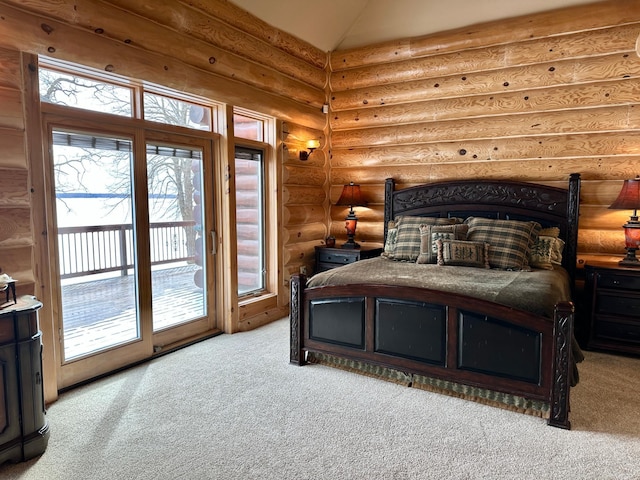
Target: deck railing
x: 107, y: 248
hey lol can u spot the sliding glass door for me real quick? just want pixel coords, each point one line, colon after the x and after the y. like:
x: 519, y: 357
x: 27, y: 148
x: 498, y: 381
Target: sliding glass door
x: 96, y: 237
x: 133, y: 253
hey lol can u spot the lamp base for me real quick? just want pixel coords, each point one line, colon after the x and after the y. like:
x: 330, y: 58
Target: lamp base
x: 630, y: 260
x: 351, y: 245
x: 629, y: 263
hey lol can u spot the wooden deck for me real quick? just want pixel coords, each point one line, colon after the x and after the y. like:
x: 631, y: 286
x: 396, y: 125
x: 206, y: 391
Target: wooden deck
x: 100, y: 313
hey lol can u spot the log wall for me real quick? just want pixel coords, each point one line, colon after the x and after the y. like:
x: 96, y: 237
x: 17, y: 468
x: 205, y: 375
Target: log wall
x: 533, y: 98
x: 208, y: 48
x: 16, y: 232
x: 211, y: 48
x: 305, y: 199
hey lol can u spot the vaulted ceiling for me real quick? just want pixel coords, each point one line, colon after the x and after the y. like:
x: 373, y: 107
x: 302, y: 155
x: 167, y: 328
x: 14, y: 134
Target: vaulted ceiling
x: 341, y: 24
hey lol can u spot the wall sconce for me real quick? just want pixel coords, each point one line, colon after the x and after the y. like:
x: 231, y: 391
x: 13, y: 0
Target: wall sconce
x: 629, y: 199
x: 351, y: 195
x: 311, y: 146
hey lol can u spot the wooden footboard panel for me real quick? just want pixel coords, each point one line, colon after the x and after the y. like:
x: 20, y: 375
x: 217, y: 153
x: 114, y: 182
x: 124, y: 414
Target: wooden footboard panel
x: 440, y: 335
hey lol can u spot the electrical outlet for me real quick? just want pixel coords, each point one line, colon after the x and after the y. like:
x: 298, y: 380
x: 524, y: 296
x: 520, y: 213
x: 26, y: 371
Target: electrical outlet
x: 303, y: 269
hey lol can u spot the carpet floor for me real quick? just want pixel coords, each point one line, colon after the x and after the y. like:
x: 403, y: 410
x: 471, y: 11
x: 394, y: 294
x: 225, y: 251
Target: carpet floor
x: 232, y: 407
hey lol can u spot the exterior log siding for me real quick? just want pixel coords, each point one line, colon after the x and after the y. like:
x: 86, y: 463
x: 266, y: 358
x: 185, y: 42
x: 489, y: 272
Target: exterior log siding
x: 533, y: 98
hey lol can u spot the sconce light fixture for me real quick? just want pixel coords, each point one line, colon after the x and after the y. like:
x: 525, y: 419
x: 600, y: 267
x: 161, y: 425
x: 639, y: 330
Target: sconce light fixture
x: 351, y: 195
x: 311, y: 146
x: 629, y: 199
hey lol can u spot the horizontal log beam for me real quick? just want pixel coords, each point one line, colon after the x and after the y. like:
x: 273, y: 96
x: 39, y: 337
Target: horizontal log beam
x: 298, y: 194
x: 12, y: 148
x: 620, y: 118
x: 301, y: 174
x: 117, y: 24
x: 304, y: 233
x: 198, y: 24
x: 303, y: 214
x: 560, y: 48
x: 568, y: 147
x: 244, y: 21
x: 15, y: 228
x: 14, y: 188
x: 25, y: 32
x: 610, y: 93
x: 504, y: 31
x: 557, y: 73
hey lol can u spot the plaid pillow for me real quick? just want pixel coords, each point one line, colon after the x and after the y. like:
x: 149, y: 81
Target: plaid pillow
x: 408, y: 242
x: 463, y: 253
x: 430, y: 233
x: 510, y: 240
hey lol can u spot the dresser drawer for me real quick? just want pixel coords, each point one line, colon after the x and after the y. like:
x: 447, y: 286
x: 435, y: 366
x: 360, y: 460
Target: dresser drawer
x: 618, y: 281
x: 336, y: 257
x: 627, y: 332
x: 614, y: 302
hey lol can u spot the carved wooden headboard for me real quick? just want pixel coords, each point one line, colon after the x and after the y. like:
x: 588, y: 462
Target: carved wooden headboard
x: 550, y: 206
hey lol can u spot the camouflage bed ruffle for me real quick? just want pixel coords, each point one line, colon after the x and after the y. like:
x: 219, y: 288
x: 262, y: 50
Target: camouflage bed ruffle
x: 479, y: 395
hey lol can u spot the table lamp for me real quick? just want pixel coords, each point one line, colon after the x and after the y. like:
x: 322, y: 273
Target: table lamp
x: 629, y: 199
x: 352, y: 196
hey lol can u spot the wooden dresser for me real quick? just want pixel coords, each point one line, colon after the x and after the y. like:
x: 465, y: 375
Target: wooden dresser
x: 24, y: 431
x: 612, y: 296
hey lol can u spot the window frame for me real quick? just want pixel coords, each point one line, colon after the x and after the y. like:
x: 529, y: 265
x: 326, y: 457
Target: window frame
x: 251, y: 303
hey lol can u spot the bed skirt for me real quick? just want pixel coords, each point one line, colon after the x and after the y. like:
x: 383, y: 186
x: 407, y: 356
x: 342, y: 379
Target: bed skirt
x: 487, y: 397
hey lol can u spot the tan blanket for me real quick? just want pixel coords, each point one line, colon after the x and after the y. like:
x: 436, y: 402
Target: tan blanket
x: 536, y: 291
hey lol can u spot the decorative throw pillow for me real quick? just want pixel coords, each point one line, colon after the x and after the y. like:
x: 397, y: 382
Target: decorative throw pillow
x: 550, y: 232
x: 463, y: 253
x: 546, y: 252
x: 391, y: 241
x: 510, y: 240
x: 430, y: 233
x: 408, y: 243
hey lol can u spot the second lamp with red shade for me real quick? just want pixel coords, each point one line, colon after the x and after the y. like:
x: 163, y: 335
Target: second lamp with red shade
x: 629, y: 199
x: 352, y: 196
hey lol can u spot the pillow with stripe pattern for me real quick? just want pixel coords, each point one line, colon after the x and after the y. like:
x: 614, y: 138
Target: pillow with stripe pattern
x: 429, y: 234
x: 408, y: 240
x: 510, y: 241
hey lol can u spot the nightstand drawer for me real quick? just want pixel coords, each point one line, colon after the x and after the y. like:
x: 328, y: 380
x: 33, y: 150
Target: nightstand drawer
x: 617, y: 303
x: 331, y: 256
x: 612, y: 294
x: 620, y: 331
x: 613, y: 280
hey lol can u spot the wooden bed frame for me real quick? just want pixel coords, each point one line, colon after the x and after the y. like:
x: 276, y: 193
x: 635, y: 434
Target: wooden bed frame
x: 354, y: 320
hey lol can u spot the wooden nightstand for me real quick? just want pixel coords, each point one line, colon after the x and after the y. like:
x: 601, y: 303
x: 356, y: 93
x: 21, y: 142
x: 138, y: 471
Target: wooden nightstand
x: 612, y: 296
x: 330, y: 257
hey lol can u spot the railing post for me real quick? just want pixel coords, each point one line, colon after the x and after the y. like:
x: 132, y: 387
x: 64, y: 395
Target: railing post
x: 123, y: 250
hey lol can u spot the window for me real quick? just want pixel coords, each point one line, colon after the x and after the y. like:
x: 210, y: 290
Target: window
x: 133, y: 206
x: 117, y: 96
x: 171, y: 111
x: 248, y: 127
x: 72, y: 90
x: 250, y: 219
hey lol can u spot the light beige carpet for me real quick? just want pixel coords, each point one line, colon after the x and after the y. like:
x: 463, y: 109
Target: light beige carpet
x: 232, y: 407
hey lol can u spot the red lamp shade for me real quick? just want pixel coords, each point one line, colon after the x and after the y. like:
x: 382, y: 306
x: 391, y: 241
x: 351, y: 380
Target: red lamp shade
x: 352, y: 196
x: 629, y: 199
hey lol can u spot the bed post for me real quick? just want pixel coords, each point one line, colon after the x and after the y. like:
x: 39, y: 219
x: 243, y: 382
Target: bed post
x: 562, y: 360
x: 389, y: 187
x: 573, y: 212
x: 296, y: 309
